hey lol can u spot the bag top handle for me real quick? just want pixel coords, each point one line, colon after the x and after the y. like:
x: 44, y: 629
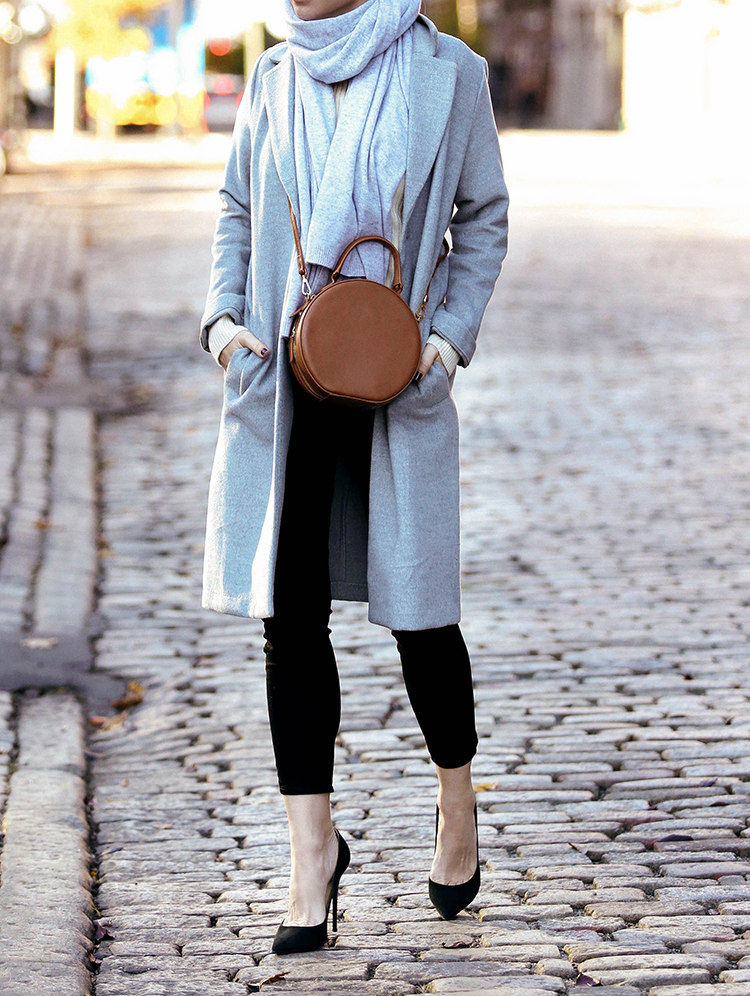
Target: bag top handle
x: 397, y: 283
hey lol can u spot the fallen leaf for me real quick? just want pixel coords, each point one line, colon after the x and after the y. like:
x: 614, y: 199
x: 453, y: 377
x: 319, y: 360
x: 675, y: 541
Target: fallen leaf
x: 41, y: 523
x: 107, y: 722
x: 257, y: 986
x: 485, y: 786
x: 586, y: 980
x: 102, y: 931
x: 40, y: 642
x: 132, y: 697
x: 473, y: 943
x: 675, y: 836
x: 94, y: 959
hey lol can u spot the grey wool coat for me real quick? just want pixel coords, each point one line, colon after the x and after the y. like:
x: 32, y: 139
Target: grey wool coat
x: 405, y: 562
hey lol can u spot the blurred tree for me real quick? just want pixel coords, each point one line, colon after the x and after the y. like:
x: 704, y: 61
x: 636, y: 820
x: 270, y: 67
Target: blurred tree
x: 96, y: 28
x: 88, y: 30
x: 467, y: 19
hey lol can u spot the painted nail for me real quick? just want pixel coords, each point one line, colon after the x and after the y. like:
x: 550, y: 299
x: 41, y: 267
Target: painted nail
x: 264, y: 351
x: 417, y: 377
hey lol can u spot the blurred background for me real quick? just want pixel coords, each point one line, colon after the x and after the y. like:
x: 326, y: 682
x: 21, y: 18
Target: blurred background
x: 73, y: 70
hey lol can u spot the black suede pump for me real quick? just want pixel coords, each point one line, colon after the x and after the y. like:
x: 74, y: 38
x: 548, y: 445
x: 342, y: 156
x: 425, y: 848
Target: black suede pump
x: 289, y: 939
x: 449, y: 900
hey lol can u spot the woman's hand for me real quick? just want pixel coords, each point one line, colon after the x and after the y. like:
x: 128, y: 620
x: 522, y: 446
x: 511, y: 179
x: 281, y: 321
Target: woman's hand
x: 429, y: 355
x: 243, y: 338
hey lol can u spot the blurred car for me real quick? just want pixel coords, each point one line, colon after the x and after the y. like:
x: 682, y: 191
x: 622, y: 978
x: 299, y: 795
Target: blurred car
x: 223, y: 95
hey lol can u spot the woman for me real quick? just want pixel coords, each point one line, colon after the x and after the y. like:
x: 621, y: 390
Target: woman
x: 368, y: 121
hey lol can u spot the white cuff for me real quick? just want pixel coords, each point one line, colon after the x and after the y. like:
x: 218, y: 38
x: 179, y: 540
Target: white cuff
x: 221, y: 334
x: 448, y: 354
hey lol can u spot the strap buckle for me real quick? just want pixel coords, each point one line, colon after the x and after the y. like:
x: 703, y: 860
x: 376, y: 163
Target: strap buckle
x: 306, y: 288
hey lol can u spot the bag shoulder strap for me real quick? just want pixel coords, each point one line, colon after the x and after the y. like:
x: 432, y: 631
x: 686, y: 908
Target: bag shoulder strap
x: 301, y: 267
x: 423, y: 306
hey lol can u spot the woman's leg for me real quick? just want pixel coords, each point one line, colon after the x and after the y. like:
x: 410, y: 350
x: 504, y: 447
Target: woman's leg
x: 437, y: 675
x: 302, y: 685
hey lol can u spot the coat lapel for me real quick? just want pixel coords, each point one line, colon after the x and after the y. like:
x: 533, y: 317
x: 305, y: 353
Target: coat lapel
x: 278, y: 94
x: 433, y: 83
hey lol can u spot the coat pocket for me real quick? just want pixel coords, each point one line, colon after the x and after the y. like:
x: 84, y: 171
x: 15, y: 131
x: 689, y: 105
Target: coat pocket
x: 435, y: 386
x: 232, y: 371
x: 242, y: 369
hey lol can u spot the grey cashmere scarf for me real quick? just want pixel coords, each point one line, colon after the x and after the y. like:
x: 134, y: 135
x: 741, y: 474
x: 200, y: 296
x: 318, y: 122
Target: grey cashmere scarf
x: 348, y: 169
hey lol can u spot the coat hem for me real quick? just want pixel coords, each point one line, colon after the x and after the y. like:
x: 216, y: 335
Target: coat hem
x: 348, y: 591
x: 393, y: 623
x: 228, y: 608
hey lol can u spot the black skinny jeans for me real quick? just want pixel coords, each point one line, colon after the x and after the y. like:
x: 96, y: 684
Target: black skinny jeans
x: 302, y: 682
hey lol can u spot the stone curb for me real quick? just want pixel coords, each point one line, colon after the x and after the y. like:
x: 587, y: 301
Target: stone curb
x: 45, y: 899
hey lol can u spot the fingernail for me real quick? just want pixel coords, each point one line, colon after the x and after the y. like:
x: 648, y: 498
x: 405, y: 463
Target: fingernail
x: 417, y: 377
x: 264, y: 351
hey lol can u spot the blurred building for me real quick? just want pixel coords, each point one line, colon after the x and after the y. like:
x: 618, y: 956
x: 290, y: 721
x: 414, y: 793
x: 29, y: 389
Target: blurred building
x: 579, y: 64
x: 553, y: 63
x: 586, y: 62
x: 600, y: 64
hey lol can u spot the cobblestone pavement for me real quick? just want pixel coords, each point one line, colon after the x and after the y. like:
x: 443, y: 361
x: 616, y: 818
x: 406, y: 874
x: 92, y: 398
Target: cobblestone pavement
x: 604, y: 433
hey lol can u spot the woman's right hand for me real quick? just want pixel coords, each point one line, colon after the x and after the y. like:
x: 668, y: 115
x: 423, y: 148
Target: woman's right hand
x: 243, y: 338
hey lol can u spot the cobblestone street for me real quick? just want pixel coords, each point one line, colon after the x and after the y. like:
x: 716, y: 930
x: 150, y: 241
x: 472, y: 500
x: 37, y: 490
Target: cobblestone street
x: 606, y: 605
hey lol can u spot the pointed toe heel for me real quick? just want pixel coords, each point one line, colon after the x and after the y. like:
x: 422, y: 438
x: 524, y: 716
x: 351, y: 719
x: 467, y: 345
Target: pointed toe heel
x: 450, y: 900
x: 292, y: 940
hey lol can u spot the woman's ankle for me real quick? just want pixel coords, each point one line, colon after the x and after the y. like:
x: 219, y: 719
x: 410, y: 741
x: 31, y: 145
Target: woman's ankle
x: 310, y: 823
x: 313, y: 846
x: 455, y: 789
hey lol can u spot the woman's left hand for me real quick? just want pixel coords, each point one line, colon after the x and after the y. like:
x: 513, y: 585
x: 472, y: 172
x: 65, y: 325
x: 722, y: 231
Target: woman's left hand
x: 429, y: 355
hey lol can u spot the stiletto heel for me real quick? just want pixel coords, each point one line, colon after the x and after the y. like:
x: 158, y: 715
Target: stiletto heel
x: 449, y: 900
x: 289, y: 940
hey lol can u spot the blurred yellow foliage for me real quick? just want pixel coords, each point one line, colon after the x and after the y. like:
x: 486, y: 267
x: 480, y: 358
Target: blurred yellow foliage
x: 93, y: 29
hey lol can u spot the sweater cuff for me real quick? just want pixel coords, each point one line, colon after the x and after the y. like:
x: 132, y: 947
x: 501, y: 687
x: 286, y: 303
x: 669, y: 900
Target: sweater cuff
x: 220, y: 334
x: 448, y: 354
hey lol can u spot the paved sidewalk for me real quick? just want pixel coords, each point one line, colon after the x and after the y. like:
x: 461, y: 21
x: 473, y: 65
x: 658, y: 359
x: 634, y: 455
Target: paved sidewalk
x: 606, y: 606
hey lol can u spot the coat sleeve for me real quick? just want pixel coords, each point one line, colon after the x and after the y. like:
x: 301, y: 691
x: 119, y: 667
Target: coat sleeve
x: 479, y: 231
x: 232, y: 237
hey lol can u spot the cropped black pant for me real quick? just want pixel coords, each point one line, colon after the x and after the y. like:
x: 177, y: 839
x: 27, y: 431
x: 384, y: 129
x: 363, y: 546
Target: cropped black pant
x: 302, y: 682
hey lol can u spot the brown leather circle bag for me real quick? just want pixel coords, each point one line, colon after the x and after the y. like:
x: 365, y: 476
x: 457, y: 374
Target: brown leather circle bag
x: 356, y: 342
